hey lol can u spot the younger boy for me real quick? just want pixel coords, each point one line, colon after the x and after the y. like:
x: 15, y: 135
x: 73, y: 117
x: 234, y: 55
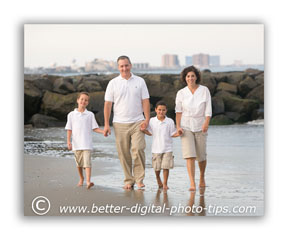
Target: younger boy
x: 162, y: 129
x: 80, y: 124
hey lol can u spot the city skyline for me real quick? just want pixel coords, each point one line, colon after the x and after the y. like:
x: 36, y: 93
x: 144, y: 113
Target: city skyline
x: 47, y: 44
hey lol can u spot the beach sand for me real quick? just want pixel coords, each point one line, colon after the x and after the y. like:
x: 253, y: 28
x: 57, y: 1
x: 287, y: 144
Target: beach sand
x: 56, y: 179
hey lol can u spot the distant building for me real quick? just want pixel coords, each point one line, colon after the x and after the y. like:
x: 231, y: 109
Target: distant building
x: 188, y: 60
x: 238, y: 62
x: 99, y: 65
x: 170, y: 61
x: 200, y: 60
x: 214, y: 60
x: 140, y: 66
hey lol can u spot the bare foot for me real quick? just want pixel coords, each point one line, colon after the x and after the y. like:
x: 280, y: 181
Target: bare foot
x: 91, y: 184
x: 128, y: 186
x: 80, y: 184
x: 160, y: 184
x: 192, y: 187
x: 202, y: 183
x: 140, y: 185
x: 165, y: 187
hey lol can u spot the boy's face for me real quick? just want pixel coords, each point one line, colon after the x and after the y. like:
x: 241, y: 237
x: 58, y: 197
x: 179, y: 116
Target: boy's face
x: 83, y: 101
x: 161, y: 111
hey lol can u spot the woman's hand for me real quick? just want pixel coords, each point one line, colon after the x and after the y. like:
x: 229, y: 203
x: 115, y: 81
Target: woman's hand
x: 180, y: 131
x: 205, y: 127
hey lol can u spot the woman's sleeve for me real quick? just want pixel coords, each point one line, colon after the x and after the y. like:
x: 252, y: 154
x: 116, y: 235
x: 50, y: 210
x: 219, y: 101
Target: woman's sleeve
x: 208, y: 110
x: 178, y: 102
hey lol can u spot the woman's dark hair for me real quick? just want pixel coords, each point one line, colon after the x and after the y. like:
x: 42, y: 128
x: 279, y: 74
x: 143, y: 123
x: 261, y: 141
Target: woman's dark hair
x: 185, y: 71
x: 160, y: 103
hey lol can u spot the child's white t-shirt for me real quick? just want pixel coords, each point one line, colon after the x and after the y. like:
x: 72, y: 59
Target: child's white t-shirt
x: 162, y: 132
x: 82, y: 125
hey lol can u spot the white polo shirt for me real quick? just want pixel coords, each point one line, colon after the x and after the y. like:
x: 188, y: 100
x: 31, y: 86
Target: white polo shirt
x: 82, y: 125
x: 127, y: 96
x: 162, y: 132
x: 194, y: 107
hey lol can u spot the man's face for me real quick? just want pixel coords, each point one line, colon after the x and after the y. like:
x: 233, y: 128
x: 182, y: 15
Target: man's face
x: 124, y: 67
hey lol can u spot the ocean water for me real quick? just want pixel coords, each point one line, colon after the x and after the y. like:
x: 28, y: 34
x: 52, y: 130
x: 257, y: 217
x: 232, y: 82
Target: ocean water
x: 234, y: 172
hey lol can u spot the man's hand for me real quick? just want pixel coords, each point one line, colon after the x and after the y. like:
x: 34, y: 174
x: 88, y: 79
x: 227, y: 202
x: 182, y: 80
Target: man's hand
x: 144, y: 125
x: 106, y: 131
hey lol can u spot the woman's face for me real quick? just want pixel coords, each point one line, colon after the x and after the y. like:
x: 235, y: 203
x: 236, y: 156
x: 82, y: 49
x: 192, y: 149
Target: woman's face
x: 191, y: 78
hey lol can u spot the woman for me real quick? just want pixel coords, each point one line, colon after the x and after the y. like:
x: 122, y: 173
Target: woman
x: 193, y: 113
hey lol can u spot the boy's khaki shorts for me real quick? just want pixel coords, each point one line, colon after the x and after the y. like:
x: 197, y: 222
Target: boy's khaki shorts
x: 83, y: 158
x: 194, y: 145
x: 162, y: 161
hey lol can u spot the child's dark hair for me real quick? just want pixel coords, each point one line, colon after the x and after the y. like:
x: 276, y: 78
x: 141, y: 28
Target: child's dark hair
x: 85, y: 93
x: 160, y: 103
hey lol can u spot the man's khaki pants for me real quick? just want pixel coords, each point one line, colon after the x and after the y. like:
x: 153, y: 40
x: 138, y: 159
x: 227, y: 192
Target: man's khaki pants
x: 130, y: 142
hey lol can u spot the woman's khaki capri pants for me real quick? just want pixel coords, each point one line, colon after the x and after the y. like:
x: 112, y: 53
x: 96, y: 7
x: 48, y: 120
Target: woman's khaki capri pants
x: 194, y: 145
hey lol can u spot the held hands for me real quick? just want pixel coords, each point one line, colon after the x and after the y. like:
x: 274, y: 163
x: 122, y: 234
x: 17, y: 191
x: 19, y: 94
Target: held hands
x: 143, y: 126
x: 106, y: 131
x: 180, y: 131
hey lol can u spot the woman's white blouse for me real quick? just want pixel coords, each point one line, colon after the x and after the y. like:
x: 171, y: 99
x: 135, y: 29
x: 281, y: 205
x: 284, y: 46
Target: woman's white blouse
x: 194, y: 107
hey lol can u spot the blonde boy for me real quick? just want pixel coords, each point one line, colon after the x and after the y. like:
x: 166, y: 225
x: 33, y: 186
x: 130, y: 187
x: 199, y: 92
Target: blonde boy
x: 80, y: 124
x: 162, y: 129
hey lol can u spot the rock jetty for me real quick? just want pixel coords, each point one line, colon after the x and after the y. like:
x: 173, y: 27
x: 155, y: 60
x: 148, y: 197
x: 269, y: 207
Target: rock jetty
x: 237, y: 97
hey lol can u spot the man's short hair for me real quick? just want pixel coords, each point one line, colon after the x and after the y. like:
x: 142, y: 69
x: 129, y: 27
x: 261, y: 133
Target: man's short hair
x: 123, y: 58
x: 85, y: 93
x: 161, y: 103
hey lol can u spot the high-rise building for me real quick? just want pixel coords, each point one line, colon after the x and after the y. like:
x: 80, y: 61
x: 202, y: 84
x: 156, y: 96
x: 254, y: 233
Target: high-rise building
x: 214, y: 60
x: 188, y: 60
x: 200, y: 60
x: 170, y: 61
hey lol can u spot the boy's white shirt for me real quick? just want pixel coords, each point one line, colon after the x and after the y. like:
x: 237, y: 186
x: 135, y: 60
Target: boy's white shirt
x: 162, y: 132
x: 82, y: 125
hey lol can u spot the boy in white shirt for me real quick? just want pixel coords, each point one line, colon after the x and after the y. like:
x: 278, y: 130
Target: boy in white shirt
x: 80, y: 124
x: 162, y: 129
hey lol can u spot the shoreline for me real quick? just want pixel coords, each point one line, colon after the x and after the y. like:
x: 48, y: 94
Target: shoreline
x: 56, y: 179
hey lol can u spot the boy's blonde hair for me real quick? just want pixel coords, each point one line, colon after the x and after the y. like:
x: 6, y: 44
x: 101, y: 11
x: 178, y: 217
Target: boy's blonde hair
x: 85, y: 93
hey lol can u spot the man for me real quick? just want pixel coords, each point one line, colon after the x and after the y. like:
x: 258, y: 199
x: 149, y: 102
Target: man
x: 131, y: 98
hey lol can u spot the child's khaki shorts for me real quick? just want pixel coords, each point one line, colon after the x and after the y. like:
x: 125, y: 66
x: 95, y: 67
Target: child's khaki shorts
x: 194, y: 145
x: 83, y: 158
x: 162, y: 161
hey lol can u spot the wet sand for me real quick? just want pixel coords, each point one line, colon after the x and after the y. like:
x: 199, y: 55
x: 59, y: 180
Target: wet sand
x: 56, y: 179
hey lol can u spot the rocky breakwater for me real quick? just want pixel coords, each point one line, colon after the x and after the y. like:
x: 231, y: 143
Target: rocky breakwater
x: 236, y: 96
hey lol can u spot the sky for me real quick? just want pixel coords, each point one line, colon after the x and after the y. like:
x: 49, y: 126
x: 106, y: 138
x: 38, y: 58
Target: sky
x: 46, y: 44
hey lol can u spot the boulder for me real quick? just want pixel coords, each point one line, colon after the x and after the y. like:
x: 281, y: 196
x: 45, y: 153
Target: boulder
x: 90, y: 85
x: 260, y: 78
x: 243, y: 106
x: 96, y: 105
x: 247, y: 85
x: 235, y: 116
x: 43, y: 121
x: 217, y: 105
x: 222, y: 86
x: 32, y: 99
x: 63, y: 86
x: 221, y: 120
x: 58, y: 105
x: 257, y: 93
x: 209, y: 81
